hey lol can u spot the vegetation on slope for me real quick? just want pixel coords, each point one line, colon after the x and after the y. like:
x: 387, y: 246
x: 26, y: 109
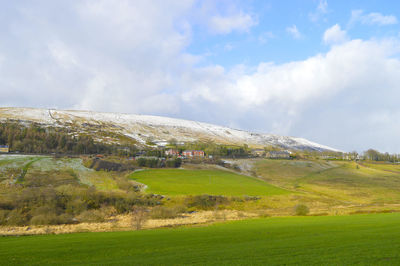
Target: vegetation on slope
x: 43, y: 190
x: 40, y: 140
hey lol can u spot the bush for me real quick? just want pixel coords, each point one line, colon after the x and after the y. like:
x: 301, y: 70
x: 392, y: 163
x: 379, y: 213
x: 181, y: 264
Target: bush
x: 66, y: 219
x: 127, y: 185
x: 91, y: 216
x: 206, y: 202
x: 17, y: 217
x: 150, y: 162
x: 174, y: 163
x: 301, y: 210
x: 75, y: 206
x: 162, y: 212
x: 3, y: 217
x: 139, y: 216
x: 45, y: 219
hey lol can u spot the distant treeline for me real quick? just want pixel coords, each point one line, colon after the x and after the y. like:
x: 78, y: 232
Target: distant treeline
x: 375, y: 155
x: 159, y: 163
x: 41, y: 140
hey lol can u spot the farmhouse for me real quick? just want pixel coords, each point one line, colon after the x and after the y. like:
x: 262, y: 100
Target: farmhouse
x: 187, y: 153
x: 4, y: 149
x: 278, y: 155
x: 193, y: 153
x: 198, y: 153
x: 171, y: 152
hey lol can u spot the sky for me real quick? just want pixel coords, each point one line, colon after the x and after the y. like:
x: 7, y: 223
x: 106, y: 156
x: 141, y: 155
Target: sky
x: 328, y: 71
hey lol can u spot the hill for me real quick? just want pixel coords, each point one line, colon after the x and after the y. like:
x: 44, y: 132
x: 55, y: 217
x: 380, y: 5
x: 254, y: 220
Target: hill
x: 111, y: 127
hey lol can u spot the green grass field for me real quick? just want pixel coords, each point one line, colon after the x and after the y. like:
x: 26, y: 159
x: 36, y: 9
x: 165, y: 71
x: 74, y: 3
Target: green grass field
x: 194, y: 182
x: 366, y: 183
x: 338, y: 240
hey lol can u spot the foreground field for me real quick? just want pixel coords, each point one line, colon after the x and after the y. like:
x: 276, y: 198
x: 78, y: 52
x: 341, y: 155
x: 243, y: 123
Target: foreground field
x: 340, y: 240
x: 194, y: 182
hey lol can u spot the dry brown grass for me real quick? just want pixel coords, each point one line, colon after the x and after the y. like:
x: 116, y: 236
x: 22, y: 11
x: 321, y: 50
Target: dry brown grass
x: 124, y: 223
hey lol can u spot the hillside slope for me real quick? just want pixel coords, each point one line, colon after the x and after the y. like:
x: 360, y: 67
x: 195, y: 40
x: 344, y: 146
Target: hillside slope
x: 142, y: 128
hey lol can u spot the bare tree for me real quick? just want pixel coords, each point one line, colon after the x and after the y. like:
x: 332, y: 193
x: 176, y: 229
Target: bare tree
x: 139, y: 216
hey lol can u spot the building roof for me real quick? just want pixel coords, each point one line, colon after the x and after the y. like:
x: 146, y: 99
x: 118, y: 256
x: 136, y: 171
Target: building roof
x: 279, y: 152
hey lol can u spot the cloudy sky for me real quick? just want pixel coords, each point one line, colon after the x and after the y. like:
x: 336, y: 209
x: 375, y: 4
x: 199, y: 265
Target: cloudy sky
x: 328, y: 71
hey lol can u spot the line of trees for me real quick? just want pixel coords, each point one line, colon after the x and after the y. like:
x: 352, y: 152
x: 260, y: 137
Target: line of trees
x: 41, y: 140
x: 159, y: 163
x: 375, y: 155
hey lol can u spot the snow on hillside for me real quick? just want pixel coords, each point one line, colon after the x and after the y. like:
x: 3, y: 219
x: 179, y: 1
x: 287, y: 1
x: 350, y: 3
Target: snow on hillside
x: 158, y: 129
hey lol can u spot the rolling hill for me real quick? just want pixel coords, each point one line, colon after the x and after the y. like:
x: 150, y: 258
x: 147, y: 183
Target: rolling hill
x: 142, y: 128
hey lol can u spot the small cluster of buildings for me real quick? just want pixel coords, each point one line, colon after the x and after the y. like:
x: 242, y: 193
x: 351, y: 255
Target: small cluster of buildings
x: 186, y: 153
x: 283, y: 154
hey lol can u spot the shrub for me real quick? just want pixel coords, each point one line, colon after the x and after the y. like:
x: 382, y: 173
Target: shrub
x: 91, y: 216
x: 206, y: 201
x: 6, y: 205
x: 125, y: 184
x: 3, y: 217
x: 17, y: 217
x: 174, y: 163
x: 162, y: 212
x: 139, y: 216
x: 66, y: 219
x: 251, y: 198
x: 75, y: 206
x: 45, y: 219
x: 301, y: 210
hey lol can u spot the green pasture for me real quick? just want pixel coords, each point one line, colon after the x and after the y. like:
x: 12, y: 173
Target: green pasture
x: 349, y: 182
x: 195, y: 182
x: 325, y: 240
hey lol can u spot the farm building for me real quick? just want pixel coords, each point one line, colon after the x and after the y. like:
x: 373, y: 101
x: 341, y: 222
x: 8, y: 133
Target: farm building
x: 258, y: 152
x: 198, y: 153
x: 193, y: 153
x: 278, y: 154
x: 187, y: 153
x: 4, y: 149
x: 171, y: 152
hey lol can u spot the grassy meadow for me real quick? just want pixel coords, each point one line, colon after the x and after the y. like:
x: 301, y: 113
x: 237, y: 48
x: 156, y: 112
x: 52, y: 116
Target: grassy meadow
x: 342, y: 182
x: 372, y: 239
x: 195, y: 182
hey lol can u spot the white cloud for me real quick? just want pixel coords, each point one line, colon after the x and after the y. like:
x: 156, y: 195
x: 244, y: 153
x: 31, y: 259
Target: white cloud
x: 372, y: 18
x: 352, y: 79
x: 131, y: 57
x: 100, y: 55
x: 322, y: 6
x: 240, y: 22
x: 265, y: 37
x: 320, y: 11
x: 228, y: 47
x: 294, y: 32
x: 334, y: 35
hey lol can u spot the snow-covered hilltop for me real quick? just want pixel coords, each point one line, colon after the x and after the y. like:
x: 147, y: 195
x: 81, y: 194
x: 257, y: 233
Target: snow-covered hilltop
x: 143, y: 128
